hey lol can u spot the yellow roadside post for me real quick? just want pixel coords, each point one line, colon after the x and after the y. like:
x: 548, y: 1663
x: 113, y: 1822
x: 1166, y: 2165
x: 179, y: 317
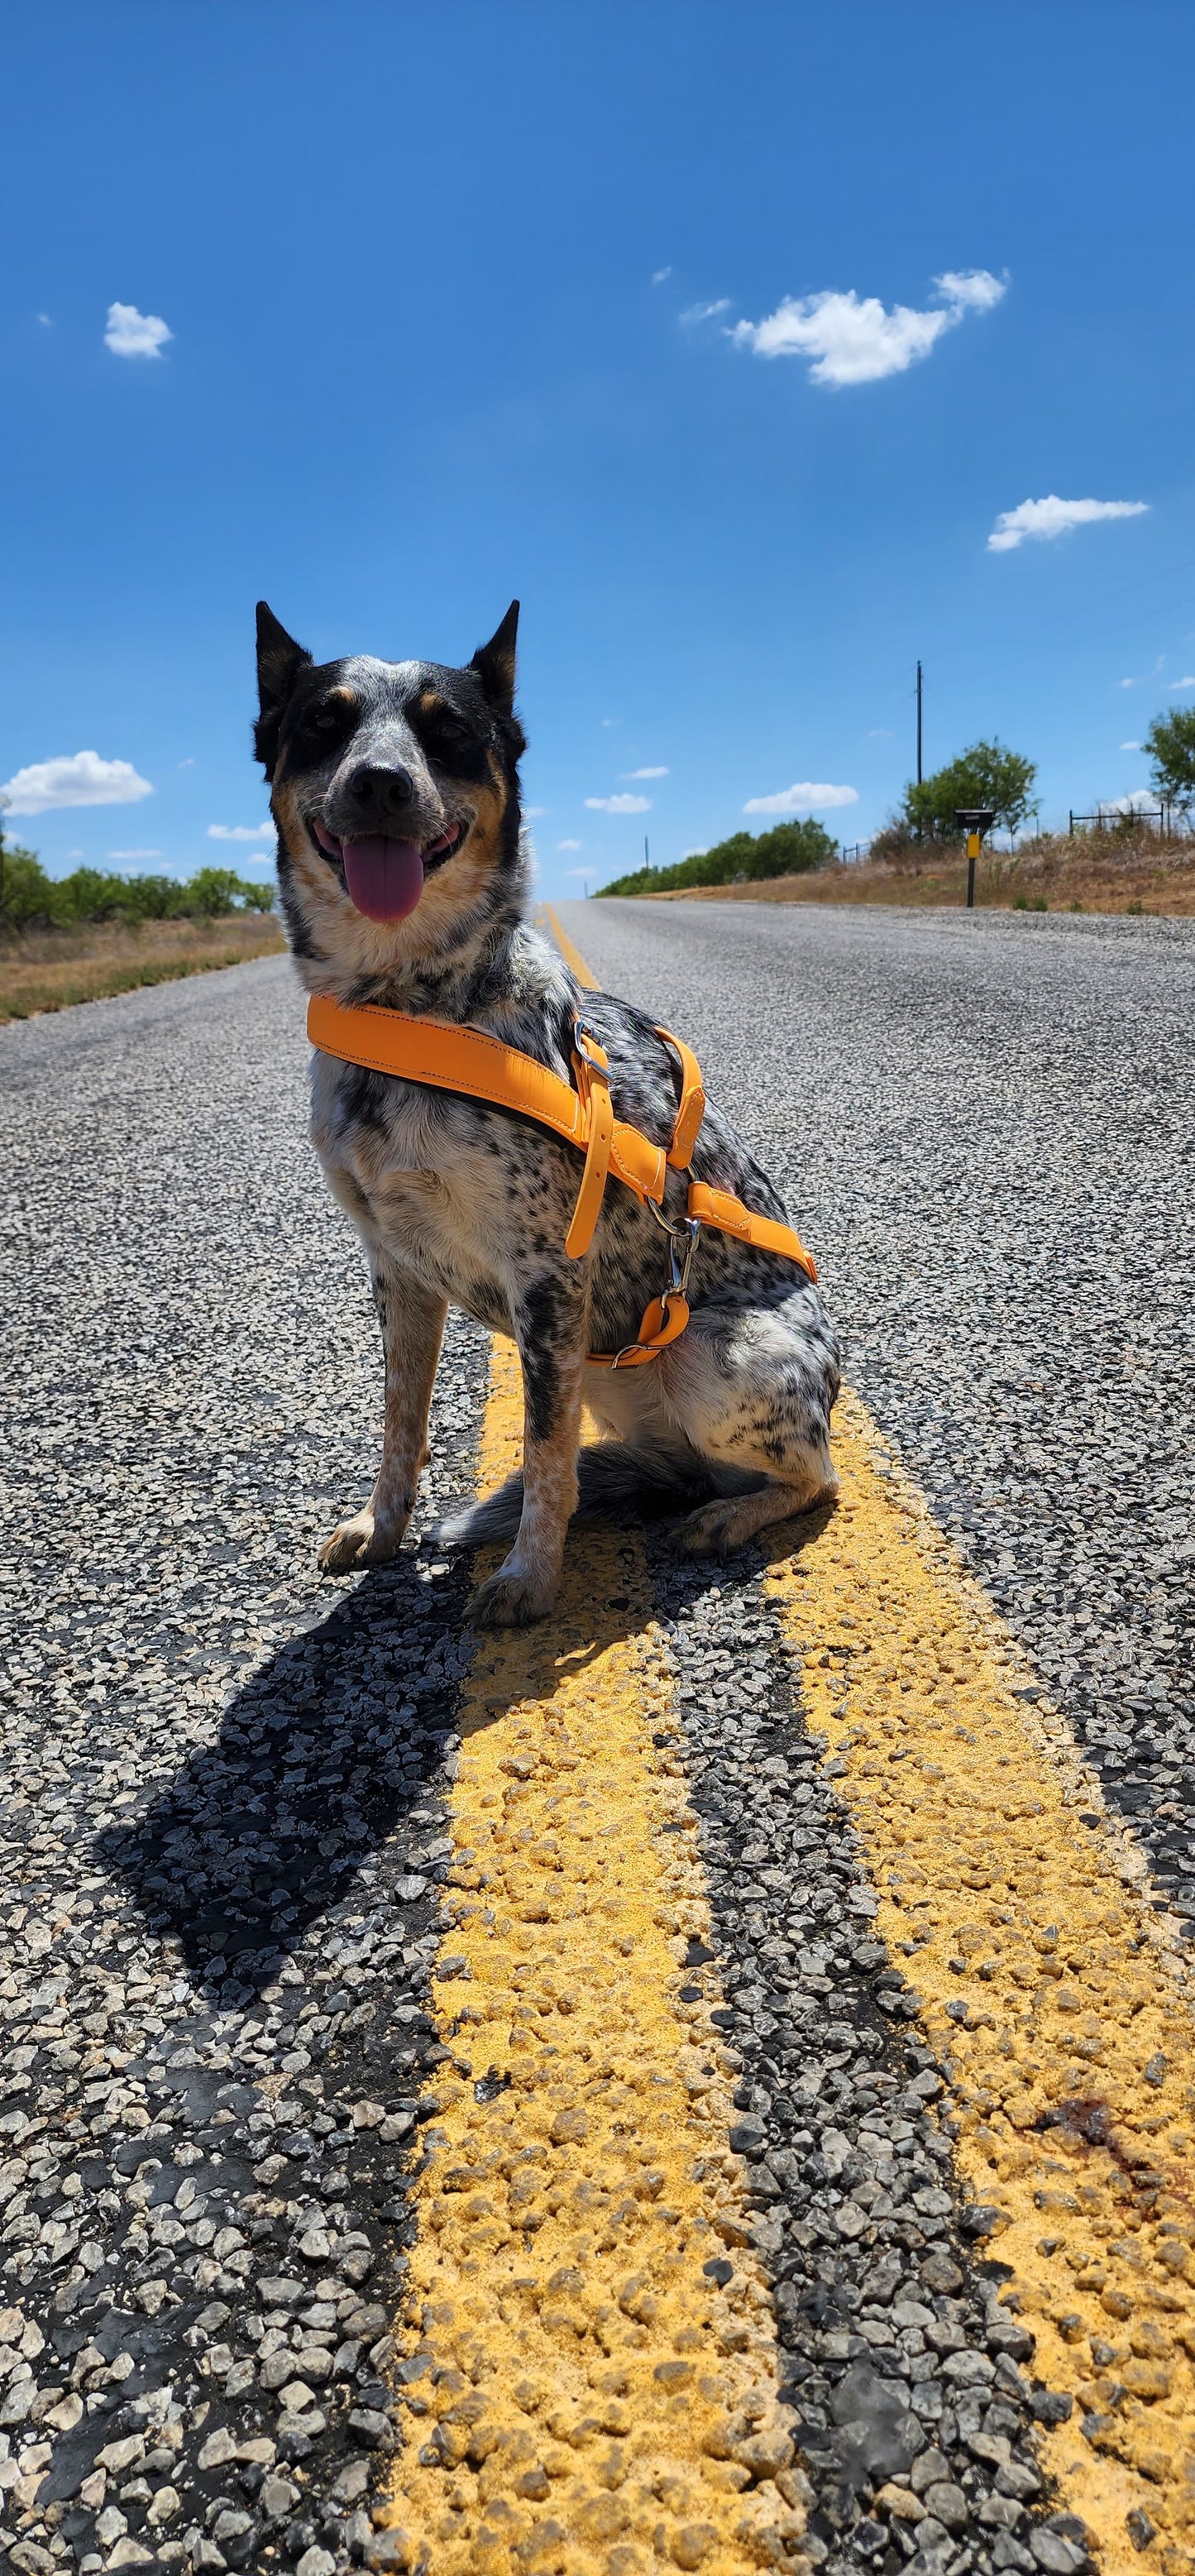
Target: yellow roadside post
x: 974, y: 820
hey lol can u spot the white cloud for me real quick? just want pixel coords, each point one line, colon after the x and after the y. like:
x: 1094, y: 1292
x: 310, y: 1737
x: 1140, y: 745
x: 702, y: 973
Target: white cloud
x: 619, y: 804
x: 78, y: 778
x: 189, y: 762
x: 696, y: 854
x: 1130, y: 746
x: 609, y: 721
x: 578, y: 872
x: 853, y: 339
x: 643, y: 773
x: 1053, y: 518
x: 658, y: 275
x: 46, y: 321
x: 238, y: 831
x: 532, y: 813
x: 879, y: 733
x: 1140, y: 799
x: 134, y: 854
x: 806, y: 797
x: 568, y: 845
x: 1188, y: 683
x: 706, y: 312
x: 131, y: 334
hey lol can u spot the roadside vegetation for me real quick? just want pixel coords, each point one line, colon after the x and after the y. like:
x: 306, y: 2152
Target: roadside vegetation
x: 1116, y: 863
x: 82, y: 937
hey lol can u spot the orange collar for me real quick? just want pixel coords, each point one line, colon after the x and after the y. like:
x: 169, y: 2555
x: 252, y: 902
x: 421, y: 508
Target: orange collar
x: 450, y: 1058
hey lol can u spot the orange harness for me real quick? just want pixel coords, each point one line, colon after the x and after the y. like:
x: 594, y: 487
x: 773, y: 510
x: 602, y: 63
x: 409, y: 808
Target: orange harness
x: 466, y: 1060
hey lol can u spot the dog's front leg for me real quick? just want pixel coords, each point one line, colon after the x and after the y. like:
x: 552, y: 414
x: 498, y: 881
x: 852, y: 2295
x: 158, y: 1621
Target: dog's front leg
x: 550, y: 1324
x: 412, y: 1321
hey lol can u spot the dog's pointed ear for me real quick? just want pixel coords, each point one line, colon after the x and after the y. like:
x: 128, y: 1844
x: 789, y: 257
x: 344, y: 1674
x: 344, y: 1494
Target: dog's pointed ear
x: 494, y: 663
x: 279, y: 661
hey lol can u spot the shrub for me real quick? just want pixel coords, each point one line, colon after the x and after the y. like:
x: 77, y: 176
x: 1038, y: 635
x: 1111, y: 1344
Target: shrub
x: 791, y: 849
x: 31, y: 900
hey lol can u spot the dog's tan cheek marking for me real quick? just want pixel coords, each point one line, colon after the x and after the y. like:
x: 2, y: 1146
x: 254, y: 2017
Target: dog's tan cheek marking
x: 589, y: 2397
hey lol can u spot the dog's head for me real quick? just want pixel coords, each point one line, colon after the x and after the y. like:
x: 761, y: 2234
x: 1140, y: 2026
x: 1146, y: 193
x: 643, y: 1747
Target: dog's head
x: 394, y: 786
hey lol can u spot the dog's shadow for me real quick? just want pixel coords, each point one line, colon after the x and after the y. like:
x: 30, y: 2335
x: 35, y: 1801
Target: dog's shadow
x: 329, y: 1751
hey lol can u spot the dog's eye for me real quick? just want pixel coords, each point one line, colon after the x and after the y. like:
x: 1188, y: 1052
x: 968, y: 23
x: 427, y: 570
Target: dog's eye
x: 325, y: 719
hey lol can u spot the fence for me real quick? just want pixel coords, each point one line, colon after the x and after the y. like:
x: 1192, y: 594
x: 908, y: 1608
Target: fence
x: 1171, y: 821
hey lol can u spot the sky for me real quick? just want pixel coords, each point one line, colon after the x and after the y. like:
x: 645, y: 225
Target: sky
x: 759, y: 349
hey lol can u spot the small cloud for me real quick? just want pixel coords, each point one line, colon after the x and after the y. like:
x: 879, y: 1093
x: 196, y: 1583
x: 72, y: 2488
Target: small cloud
x: 134, y: 854
x: 238, y: 831
x: 609, y: 721
x: 76, y: 854
x: 131, y: 334
x: 1054, y: 518
x: 78, y: 778
x: 805, y: 798
x: 643, y: 773
x: 575, y: 872
x: 532, y: 813
x: 706, y: 312
x: 45, y: 321
x: 879, y: 733
x: 619, y: 804
x: 1188, y: 683
x: 1126, y: 684
x: 189, y: 762
x: 568, y: 845
x: 854, y: 340
x: 696, y: 854
x: 1130, y: 746
x: 658, y: 275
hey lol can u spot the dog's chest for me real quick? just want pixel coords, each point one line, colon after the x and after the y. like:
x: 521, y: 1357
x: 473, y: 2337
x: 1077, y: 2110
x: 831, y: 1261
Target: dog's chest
x: 438, y: 1186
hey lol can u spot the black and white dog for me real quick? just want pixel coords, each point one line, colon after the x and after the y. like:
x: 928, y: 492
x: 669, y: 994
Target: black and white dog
x: 394, y: 786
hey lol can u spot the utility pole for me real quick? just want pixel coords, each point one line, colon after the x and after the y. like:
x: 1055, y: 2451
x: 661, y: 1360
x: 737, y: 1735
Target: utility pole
x: 919, y: 724
x: 646, y: 855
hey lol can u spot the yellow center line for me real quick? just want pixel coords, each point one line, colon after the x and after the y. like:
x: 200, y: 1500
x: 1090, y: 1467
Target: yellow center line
x: 1020, y: 1915
x: 594, y: 2398
x: 572, y: 956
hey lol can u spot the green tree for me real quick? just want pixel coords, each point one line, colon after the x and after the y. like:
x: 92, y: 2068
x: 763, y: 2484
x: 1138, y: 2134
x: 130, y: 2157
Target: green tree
x: 1170, y: 743
x: 986, y: 775
x: 791, y: 849
x: 29, y: 899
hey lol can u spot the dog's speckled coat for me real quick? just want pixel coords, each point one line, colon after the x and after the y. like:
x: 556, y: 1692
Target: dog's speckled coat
x: 461, y: 1203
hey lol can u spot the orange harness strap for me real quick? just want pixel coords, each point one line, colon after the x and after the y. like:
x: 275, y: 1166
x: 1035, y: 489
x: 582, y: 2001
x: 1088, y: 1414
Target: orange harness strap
x: 450, y: 1058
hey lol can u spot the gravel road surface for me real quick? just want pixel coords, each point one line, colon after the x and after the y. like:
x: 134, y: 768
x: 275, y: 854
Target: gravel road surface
x: 986, y: 1129
x: 224, y: 1803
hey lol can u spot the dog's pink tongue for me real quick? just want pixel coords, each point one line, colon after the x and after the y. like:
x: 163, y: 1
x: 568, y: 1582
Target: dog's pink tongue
x: 384, y: 878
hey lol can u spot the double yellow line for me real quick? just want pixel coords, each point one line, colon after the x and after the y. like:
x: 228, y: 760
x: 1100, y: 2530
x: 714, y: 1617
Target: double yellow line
x: 592, y: 2368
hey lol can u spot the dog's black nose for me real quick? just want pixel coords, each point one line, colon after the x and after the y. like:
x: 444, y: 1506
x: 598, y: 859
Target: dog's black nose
x: 377, y: 787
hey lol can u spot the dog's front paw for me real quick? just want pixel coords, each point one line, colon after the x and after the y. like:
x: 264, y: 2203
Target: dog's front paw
x: 510, y: 1600
x: 355, y: 1543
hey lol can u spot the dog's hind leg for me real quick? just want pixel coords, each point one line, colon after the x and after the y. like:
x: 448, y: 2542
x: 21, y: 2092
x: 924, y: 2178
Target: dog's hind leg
x: 754, y: 1392
x: 550, y: 1328
x: 412, y: 1321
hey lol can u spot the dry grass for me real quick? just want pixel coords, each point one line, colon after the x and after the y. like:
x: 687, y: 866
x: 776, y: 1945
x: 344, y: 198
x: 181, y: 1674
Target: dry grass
x: 1098, y: 872
x: 47, y: 970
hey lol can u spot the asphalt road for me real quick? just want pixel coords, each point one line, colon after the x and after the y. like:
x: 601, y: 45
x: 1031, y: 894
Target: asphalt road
x: 986, y: 1129
x: 227, y: 1779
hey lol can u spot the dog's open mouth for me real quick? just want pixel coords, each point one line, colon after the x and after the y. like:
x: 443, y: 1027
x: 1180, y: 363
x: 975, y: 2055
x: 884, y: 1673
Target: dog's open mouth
x: 386, y: 878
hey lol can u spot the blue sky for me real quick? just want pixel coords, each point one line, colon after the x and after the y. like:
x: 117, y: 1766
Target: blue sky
x: 434, y: 280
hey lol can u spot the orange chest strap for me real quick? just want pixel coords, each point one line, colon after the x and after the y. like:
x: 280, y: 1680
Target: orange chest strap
x: 450, y: 1058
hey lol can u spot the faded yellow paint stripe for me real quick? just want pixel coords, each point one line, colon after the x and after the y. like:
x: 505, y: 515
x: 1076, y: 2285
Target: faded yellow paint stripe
x: 1020, y: 1914
x: 571, y: 955
x: 593, y: 2398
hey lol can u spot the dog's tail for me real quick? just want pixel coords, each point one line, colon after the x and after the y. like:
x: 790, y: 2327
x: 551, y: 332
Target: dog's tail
x: 614, y: 1478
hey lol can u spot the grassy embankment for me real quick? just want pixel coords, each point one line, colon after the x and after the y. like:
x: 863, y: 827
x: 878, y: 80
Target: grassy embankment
x: 46, y: 970
x: 1095, y: 872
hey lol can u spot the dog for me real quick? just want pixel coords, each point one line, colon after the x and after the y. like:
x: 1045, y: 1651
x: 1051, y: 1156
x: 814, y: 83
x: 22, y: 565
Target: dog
x: 403, y: 875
